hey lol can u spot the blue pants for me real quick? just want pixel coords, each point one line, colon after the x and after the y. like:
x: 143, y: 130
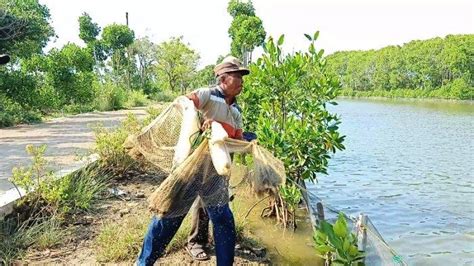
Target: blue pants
x: 161, y: 231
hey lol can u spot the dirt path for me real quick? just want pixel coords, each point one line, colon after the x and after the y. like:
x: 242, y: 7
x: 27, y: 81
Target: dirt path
x: 66, y: 138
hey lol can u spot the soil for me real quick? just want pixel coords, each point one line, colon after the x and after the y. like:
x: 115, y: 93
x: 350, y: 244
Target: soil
x: 78, y: 247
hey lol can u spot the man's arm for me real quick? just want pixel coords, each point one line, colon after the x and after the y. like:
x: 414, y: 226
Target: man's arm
x: 200, y: 97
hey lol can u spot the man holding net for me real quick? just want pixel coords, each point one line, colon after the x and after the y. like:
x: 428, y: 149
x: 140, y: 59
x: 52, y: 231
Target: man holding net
x: 215, y: 104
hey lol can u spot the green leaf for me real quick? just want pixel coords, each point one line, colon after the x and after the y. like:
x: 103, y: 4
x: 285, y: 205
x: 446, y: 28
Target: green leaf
x: 311, y: 48
x: 320, y: 236
x: 321, y: 52
x: 323, y: 249
x: 281, y: 39
x: 346, y: 245
x: 353, y: 251
x: 308, y: 37
x: 340, y: 226
x: 316, y: 35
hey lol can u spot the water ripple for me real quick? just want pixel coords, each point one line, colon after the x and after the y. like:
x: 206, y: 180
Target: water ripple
x: 404, y: 167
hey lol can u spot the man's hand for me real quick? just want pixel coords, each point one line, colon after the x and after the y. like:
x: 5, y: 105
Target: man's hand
x: 206, y: 124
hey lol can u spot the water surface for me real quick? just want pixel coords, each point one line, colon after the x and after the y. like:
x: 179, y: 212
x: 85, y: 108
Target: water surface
x: 409, y: 165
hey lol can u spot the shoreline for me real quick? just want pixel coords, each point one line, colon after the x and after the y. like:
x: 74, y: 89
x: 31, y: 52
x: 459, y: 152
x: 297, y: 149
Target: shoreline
x: 408, y: 99
x: 96, y: 236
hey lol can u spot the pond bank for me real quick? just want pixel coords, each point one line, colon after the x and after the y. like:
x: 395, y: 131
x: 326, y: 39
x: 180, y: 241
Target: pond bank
x: 112, y: 231
x: 408, y: 99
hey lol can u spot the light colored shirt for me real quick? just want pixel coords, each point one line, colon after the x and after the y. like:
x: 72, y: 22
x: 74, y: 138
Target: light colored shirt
x: 211, y: 102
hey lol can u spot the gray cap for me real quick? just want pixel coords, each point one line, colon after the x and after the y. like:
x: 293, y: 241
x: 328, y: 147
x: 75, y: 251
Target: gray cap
x: 230, y: 64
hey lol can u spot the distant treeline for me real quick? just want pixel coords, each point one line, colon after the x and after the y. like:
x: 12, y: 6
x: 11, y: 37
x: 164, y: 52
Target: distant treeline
x: 435, y: 68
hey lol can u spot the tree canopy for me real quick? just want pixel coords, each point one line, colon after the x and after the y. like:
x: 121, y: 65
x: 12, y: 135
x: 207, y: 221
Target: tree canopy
x: 176, y: 63
x: 246, y: 29
x: 24, y: 27
x: 88, y: 30
x: 418, y: 65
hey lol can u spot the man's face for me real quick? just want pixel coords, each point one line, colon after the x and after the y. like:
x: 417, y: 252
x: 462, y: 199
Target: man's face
x: 233, y: 84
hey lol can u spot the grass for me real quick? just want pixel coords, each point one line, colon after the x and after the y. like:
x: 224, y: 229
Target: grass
x: 119, y: 241
x: 46, y: 233
x: 122, y: 240
x: 39, y: 218
x: 41, y: 233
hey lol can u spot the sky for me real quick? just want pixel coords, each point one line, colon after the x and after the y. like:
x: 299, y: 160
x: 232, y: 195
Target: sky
x: 204, y: 24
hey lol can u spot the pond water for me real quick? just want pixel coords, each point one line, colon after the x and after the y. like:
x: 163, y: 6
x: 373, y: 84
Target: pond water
x: 409, y: 166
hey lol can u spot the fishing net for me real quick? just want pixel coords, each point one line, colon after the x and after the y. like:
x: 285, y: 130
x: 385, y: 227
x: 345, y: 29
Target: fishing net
x: 377, y: 251
x: 203, y: 171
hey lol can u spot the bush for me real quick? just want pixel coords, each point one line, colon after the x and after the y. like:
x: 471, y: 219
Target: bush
x: 285, y: 105
x: 164, y: 96
x: 11, y: 113
x: 109, y: 97
x: 77, y: 108
x: 109, y: 145
x: 153, y: 112
x: 136, y: 98
x: 50, y: 201
x: 336, y: 244
x: 77, y: 191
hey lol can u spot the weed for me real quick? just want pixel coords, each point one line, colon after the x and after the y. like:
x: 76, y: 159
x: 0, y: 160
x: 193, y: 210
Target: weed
x: 109, y: 145
x: 118, y: 241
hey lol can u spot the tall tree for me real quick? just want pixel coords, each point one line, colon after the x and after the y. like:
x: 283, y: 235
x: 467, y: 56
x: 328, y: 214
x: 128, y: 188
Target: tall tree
x: 204, y: 77
x: 29, y: 21
x: 88, y: 30
x: 116, y: 38
x: 69, y: 71
x: 239, y: 8
x: 246, y: 29
x: 176, y: 64
x: 145, y: 53
x: 418, y: 68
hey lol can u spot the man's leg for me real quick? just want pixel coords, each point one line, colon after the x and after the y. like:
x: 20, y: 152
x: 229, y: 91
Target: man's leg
x: 159, y: 234
x: 199, y: 234
x: 224, y: 233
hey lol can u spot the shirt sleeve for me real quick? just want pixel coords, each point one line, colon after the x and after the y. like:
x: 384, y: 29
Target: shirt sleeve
x: 200, y: 97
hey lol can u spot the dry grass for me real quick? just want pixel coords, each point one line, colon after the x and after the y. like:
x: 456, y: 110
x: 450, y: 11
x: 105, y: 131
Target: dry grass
x: 122, y: 240
x: 118, y: 241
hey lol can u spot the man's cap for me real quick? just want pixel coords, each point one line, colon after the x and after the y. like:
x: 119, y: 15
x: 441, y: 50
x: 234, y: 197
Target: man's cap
x: 230, y: 64
x: 4, y: 58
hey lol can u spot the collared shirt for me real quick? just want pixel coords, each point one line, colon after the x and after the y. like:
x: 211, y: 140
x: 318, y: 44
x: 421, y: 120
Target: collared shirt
x: 211, y: 102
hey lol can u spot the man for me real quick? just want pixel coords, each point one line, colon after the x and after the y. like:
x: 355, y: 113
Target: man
x: 215, y: 104
x: 227, y: 112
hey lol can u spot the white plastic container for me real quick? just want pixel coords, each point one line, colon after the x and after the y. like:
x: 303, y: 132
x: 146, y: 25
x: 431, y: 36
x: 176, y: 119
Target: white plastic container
x: 189, y: 126
x: 219, y: 153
